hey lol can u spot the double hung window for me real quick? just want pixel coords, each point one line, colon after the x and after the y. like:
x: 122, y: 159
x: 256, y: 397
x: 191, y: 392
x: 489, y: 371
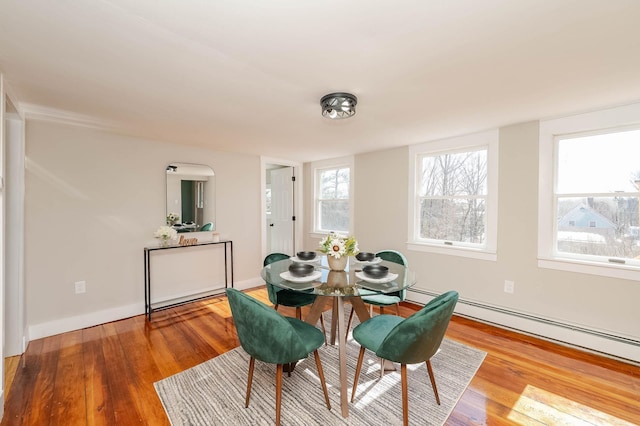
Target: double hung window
x: 589, y: 186
x: 454, y: 195
x: 332, y: 198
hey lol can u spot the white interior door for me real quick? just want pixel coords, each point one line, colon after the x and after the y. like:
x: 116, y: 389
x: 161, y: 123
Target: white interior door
x: 281, y: 221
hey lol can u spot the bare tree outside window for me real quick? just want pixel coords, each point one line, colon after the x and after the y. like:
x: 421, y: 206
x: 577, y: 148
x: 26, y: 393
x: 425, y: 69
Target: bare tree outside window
x: 452, y: 196
x: 333, y: 199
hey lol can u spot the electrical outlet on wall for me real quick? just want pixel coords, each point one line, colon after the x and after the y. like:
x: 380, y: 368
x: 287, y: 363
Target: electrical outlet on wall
x: 509, y: 286
x: 81, y: 287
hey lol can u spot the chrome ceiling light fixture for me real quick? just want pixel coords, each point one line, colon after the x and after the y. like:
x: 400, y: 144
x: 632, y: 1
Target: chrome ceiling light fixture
x: 338, y: 105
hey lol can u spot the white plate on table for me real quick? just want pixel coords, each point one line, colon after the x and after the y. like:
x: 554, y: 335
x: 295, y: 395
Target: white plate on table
x: 369, y: 262
x: 297, y: 260
x: 307, y: 278
x: 386, y: 279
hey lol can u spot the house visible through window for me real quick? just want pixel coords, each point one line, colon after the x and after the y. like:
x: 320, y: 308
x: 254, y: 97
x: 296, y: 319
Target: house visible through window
x: 598, y: 181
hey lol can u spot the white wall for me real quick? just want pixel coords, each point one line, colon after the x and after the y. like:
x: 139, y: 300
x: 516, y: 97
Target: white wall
x: 591, y: 302
x: 93, y: 201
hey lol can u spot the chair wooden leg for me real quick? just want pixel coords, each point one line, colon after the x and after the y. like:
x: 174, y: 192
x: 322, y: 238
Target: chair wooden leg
x: 299, y: 313
x: 357, y: 376
x: 397, y: 309
x: 275, y: 307
x: 381, y: 367
x: 321, y: 376
x: 252, y: 362
x: 349, y: 322
x: 278, y: 392
x: 433, y: 380
x: 405, y: 394
x: 381, y: 310
x: 324, y: 330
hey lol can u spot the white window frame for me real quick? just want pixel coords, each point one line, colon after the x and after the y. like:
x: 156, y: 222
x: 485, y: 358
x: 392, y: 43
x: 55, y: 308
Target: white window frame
x: 550, y: 130
x: 319, y: 166
x: 484, y: 140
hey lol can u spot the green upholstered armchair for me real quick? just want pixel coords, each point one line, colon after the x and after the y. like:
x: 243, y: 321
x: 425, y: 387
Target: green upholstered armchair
x: 407, y: 341
x: 272, y: 338
x: 207, y: 226
x: 387, y: 299
x: 279, y: 296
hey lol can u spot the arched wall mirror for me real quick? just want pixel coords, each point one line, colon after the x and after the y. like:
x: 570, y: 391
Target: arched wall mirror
x: 191, y: 197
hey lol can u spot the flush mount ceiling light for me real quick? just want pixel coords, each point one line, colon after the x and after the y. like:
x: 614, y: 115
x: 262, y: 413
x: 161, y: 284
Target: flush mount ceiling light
x: 338, y: 105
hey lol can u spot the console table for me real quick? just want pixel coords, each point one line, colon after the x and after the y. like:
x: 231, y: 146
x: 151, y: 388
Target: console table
x: 228, y: 275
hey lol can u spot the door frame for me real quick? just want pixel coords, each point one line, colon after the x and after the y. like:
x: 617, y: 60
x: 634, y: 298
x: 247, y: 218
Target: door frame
x: 297, y: 203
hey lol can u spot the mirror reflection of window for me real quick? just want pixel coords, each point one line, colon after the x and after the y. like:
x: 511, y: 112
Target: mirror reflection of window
x: 190, y: 197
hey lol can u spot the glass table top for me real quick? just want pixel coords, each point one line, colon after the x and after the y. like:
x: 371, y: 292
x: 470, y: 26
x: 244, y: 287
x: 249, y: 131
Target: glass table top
x: 350, y: 282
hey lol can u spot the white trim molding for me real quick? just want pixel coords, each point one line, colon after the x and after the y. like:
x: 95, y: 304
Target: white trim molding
x: 602, y: 342
x: 550, y: 130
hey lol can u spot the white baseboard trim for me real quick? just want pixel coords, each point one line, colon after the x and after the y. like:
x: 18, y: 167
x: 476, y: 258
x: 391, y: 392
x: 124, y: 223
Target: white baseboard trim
x: 64, y: 325
x: 247, y: 284
x: 621, y: 347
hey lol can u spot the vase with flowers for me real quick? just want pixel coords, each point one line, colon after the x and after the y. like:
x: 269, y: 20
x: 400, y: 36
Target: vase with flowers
x: 172, y: 218
x: 166, y: 234
x: 338, y: 248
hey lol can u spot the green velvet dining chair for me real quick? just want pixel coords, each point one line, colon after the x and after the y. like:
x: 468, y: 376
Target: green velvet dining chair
x: 207, y: 226
x: 387, y: 299
x: 281, y: 296
x: 275, y: 339
x: 406, y: 341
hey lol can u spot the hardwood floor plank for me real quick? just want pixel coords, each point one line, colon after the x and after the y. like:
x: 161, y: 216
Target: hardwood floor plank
x: 99, y: 406
x: 21, y: 397
x: 112, y: 368
x: 141, y: 369
x: 41, y: 403
x: 68, y: 399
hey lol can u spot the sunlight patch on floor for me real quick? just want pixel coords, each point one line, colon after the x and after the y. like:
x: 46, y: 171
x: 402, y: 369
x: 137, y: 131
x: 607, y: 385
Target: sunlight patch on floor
x: 551, y: 409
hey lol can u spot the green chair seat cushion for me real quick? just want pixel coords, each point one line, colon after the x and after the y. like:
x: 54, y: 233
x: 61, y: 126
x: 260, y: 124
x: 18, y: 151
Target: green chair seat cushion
x: 268, y: 336
x: 381, y: 299
x: 294, y: 299
x: 312, y: 338
x: 372, y: 332
x: 411, y: 340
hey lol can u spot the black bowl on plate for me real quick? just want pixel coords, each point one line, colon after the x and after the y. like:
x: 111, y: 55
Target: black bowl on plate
x: 306, y: 255
x: 300, y: 269
x: 365, y: 257
x: 375, y: 271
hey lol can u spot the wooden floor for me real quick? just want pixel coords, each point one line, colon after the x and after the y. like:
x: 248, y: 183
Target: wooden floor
x: 104, y: 375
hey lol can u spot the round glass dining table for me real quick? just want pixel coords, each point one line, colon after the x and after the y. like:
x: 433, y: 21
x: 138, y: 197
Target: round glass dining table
x: 336, y: 288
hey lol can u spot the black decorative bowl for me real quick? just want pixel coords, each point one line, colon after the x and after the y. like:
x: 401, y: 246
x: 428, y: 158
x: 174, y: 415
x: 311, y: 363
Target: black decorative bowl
x: 300, y: 269
x: 306, y: 255
x: 375, y: 271
x: 365, y: 257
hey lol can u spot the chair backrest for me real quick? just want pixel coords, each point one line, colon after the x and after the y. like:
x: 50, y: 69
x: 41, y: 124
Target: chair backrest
x: 393, y: 256
x: 263, y: 332
x: 207, y: 226
x: 417, y: 338
x: 274, y: 257
x: 271, y: 289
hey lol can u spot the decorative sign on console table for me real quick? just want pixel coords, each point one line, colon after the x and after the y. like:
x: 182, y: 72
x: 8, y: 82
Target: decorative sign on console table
x: 188, y: 241
x: 185, y: 243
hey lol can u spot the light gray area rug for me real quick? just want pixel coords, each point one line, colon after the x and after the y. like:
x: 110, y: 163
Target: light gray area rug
x: 213, y: 392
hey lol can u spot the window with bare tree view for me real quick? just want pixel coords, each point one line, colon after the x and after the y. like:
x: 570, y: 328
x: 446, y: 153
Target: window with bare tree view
x: 452, y: 196
x: 455, y: 195
x: 332, y: 199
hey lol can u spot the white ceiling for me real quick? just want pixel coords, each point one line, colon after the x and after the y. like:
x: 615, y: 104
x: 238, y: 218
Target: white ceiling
x: 248, y: 76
